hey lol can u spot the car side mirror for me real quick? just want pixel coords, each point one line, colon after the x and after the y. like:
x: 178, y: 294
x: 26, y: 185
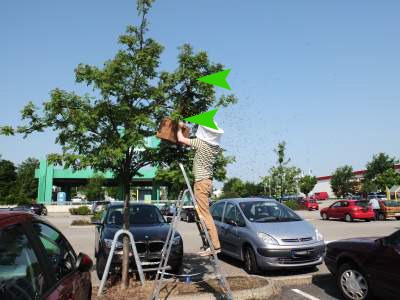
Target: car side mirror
x: 168, y: 220
x: 231, y: 222
x: 384, y: 242
x: 84, y: 263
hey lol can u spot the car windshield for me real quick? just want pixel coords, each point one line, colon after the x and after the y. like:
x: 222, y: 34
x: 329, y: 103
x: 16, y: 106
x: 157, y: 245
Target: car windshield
x: 392, y: 203
x: 267, y: 211
x: 138, y: 214
x: 362, y: 203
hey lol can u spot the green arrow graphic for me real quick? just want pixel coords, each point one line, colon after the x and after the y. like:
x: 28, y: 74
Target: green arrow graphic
x: 205, y: 119
x: 218, y: 79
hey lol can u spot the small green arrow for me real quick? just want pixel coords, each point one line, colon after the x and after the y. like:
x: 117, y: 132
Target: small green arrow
x: 218, y: 79
x: 204, y: 119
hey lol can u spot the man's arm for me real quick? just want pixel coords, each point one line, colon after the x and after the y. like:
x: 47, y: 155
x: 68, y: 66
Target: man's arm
x: 181, y: 138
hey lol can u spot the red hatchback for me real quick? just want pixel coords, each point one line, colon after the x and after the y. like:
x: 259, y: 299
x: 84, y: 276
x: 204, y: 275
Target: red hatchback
x: 309, y: 204
x: 348, y: 210
x: 37, y: 261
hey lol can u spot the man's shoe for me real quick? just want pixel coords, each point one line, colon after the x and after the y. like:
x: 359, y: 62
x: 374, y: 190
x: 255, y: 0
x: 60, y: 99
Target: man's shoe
x: 207, y: 252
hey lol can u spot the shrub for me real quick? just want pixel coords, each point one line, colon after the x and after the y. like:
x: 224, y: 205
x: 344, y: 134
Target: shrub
x: 97, y: 216
x: 81, y: 210
x: 80, y: 222
x: 292, y: 204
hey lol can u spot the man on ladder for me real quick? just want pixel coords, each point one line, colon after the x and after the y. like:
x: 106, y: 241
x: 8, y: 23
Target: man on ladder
x: 206, y: 147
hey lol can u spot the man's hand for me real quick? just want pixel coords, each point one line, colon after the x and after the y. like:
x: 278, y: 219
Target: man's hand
x: 181, y: 138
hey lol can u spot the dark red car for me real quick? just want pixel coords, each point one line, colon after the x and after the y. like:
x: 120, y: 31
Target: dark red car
x: 366, y: 268
x: 309, y: 203
x: 37, y: 261
x: 348, y: 210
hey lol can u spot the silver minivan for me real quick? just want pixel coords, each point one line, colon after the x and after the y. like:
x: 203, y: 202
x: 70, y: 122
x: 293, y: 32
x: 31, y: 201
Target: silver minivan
x: 266, y: 235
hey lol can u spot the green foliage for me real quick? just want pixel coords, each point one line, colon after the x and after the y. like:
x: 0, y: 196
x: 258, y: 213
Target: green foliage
x: 281, y: 178
x: 343, y: 181
x: 81, y: 210
x: 307, y: 183
x: 292, y: 204
x: 236, y: 188
x: 97, y: 215
x: 81, y: 222
x: 381, y: 173
x: 8, y: 176
x: 94, y: 189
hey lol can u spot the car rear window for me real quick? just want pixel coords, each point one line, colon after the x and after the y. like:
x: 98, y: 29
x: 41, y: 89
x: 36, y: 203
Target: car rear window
x: 361, y: 203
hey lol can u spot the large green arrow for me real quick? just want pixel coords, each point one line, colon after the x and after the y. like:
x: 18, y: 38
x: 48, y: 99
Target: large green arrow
x: 205, y: 119
x: 218, y: 79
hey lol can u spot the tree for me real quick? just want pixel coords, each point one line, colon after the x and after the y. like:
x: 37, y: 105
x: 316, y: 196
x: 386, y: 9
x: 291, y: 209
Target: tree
x: 342, y: 181
x: 94, y: 189
x: 307, y: 183
x: 109, y: 130
x: 381, y: 173
x: 233, y: 188
x: 8, y: 176
x: 281, y: 178
x: 26, y: 183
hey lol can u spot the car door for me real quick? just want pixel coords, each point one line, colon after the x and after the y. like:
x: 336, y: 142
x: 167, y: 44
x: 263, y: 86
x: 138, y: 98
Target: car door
x: 333, y: 210
x: 22, y: 273
x: 383, y: 267
x: 343, y: 209
x: 217, y: 211
x: 231, y: 239
x: 70, y: 283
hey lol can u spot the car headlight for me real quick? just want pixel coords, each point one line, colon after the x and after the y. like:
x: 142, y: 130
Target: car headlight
x: 176, y: 241
x: 267, y: 239
x: 108, y: 244
x: 318, y: 235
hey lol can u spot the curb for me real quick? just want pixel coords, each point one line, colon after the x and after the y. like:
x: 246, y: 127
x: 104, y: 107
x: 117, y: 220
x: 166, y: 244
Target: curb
x: 258, y: 293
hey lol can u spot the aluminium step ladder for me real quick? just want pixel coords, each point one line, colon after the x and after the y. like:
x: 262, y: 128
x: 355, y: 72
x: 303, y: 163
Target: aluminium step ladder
x: 163, y: 266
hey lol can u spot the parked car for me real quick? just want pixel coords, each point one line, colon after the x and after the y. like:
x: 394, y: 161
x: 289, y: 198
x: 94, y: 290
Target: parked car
x: 389, y: 209
x: 266, y: 234
x: 365, y: 267
x: 379, y: 196
x: 348, y: 210
x: 38, y: 262
x: 167, y: 209
x: 308, y: 203
x: 321, y: 196
x: 149, y: 230
x: 188, y: 213
x: 77, y: 200
x: 36, y: 208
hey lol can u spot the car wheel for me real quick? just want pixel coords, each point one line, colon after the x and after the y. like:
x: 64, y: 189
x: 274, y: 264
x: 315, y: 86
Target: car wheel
x: 352, y: 283
x: 367, y: 220
x: 100, y: 265
x: 398, y: 218
x: 381, y: 217
x: 348, y: 218
x: 250, y: 262
x: 325, y: 216
x: 176, y: 269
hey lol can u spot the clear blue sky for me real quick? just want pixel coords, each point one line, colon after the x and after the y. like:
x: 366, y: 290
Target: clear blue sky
x: 322, y: 75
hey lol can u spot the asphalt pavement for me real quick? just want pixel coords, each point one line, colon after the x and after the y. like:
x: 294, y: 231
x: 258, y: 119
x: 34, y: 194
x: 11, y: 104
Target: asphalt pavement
x: 82, y: 239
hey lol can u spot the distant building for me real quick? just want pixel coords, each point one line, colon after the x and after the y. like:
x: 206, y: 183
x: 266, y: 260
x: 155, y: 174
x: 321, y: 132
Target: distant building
x: 324, y: 182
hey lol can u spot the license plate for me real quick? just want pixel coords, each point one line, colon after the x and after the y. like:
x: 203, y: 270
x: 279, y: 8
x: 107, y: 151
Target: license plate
x: 302, y: 253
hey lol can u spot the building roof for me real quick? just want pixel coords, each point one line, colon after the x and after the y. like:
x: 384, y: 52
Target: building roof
x: 359, y: 172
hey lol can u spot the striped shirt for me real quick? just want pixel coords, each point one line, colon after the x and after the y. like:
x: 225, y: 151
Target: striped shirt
x: 204, y: 159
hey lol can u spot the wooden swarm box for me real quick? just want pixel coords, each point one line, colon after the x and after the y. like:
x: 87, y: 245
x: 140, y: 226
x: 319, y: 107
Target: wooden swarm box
x: 168, y: 130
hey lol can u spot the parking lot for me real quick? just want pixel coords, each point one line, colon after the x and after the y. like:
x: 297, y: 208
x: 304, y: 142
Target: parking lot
x: 323, y: 287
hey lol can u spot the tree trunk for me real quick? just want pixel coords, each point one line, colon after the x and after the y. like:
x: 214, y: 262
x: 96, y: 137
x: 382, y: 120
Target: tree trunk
x: 126, y: 248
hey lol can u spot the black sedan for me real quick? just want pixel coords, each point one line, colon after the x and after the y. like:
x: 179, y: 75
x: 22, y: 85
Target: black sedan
x: 149, y: 230
x: 37, y: 208
x: 366, y: 267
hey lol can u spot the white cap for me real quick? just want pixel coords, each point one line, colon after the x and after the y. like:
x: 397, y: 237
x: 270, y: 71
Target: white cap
x: 209, y: 135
